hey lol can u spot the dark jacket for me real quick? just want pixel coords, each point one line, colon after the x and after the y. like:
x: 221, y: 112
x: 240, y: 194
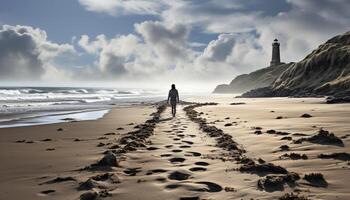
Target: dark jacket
x: 173, y: 96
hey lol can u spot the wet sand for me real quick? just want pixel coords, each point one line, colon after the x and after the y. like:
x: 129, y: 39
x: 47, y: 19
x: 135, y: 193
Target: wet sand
x: 224, y: 151
x: 25, y: 165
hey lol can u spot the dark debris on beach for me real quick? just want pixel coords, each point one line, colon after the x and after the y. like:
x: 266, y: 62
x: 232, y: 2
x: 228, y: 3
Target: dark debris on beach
x: 323, y: 137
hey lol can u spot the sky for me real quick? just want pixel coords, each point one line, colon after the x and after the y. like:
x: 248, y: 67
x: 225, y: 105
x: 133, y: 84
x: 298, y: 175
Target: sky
x: 153, y: 43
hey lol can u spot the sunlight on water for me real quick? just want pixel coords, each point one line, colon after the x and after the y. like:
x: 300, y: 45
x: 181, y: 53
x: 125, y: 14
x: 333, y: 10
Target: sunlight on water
x: 55, y: 118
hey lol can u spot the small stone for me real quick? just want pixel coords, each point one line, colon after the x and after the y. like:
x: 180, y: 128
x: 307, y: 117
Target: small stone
x: 284, y: 148
x: 306, y: 115
x: 101, y: 144
x: 230, y: 189
x: 89, y: 196
x: 316, y: 179
x: 109, y: 160
x: 87, y: 185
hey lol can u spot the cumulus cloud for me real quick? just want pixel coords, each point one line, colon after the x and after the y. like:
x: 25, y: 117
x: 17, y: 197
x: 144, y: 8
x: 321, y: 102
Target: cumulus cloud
x: 94, y: 46
x: 156, y: 49
x: 25, y: 52
x: 115, y: 55
x: 235, y: 52
x: 169, y: 43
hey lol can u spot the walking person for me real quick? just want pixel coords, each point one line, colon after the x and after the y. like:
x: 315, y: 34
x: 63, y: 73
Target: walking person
x: 173, y: 99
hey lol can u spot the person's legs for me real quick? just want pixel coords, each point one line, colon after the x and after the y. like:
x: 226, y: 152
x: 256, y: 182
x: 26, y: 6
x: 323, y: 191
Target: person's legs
x: 173, y: 108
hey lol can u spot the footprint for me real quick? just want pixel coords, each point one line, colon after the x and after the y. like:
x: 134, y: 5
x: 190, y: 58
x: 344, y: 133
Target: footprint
x: 47, y: 191
x: 159, y: 170
x: 176, y: 139
x: 201, y: 163
x: 152, y: 148
x: 189, y: 198
x: 166, y: 155
x: 181, y: 131
x: 192, y: 153
x: 168, y: 146
x: 192, y: 136
x: 132, y: 171
x: 177, y: 150
x: 181, y: 135
x: 185, y: 146
x: 59, y: 180
x: 161, y: 179
x: 172, y: 186
x: 156, y: 171
x: 179, y: 176
x: 177, y: 160
x: 188, y: 142
x: 211, y: 187
x: 198, y: 169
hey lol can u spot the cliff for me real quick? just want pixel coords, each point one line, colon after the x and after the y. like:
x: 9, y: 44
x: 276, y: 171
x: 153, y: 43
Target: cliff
x: 260, y: 78
x: 325, y: 71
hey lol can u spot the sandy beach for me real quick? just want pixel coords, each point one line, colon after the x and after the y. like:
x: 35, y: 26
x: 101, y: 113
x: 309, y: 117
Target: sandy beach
x: 35, y: 154
x: 238, y: 149
x: 175, y: 100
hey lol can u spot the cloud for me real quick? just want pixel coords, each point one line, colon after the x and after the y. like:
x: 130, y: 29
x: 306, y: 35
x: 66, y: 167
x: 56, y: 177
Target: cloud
x: 238, y: 52
x: 116, y: 54
x: 299, y: 25
x: 121, y: 57
x: 163, y: 50
x: 25, y: 52
x: 155, y: 49
x: 245, y: 33
x: 120, y: 7
x: 94, y: 46
x: 169, y: 43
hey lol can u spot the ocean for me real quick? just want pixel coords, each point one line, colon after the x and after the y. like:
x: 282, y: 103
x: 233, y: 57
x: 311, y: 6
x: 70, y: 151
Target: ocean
x: 23, y: 106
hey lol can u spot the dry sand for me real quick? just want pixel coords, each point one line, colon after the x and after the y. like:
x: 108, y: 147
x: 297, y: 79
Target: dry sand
x: 263, y: 113
x: 179, y: 160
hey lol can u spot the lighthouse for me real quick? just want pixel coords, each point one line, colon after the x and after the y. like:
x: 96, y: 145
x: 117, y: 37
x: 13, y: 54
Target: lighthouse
x: 275, y: 53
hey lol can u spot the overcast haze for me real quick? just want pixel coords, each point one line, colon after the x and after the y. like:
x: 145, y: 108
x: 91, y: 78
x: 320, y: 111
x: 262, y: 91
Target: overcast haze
x: 151, y: 43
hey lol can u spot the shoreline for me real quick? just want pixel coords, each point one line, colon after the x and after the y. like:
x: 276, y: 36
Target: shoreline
x: 55, y: 117
x: 61, y: 116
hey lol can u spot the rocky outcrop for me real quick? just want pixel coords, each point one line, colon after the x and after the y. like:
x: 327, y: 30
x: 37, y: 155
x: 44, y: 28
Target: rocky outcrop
x: 260, y: 78
x: 325, y: 71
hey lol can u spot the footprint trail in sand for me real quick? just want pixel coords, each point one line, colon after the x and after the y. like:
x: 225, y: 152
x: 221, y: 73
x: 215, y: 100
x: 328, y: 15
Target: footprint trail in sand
x: 176, y: 165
